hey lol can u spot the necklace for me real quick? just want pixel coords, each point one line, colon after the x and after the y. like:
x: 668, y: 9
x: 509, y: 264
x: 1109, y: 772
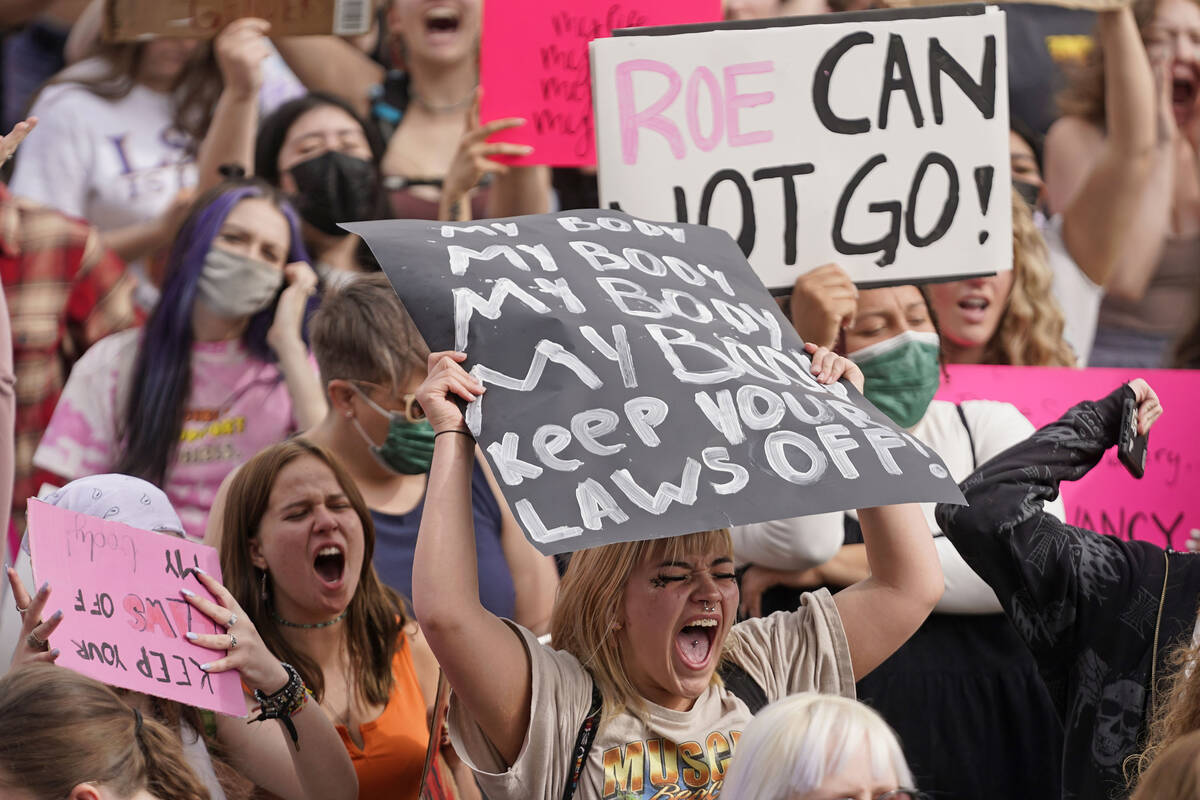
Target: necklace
x: 309, y: 625
x: 457, y: 105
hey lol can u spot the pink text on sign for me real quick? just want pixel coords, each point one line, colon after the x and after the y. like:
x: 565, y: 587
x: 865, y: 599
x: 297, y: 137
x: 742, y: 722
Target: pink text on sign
x: 724, y: 100
x: 124, y: 618
x: 1163, y: 506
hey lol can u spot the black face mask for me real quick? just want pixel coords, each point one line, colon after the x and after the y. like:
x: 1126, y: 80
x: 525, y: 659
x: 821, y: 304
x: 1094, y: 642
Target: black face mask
x: 334, y: 188
x: 1030, y: 192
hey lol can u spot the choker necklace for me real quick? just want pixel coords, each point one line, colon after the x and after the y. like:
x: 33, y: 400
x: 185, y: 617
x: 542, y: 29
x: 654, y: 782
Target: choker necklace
x: 458, y: 105
x: 310, y: 625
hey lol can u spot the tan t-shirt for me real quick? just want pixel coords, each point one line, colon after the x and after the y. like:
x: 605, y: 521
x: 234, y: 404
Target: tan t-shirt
x: 669, y: 755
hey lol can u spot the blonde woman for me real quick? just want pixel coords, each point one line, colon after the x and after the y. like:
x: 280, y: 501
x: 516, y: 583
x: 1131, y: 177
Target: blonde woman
x: 629, y: 696
x: 1009, y: 318
x: 818, y: 747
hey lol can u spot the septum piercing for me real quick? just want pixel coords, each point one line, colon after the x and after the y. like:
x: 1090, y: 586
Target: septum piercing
x: 709, y: 608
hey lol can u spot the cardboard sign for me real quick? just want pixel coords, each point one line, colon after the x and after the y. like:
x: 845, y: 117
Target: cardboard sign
x: 130, y: 20
x: 534, y: 64
x: 1163, y: 506
x: 124, y: 618
x: 641, y: 382
x: 879, y: 144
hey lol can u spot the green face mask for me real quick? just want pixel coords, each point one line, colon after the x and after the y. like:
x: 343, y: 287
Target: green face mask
x: 408, y: 448
x: 902, y: 375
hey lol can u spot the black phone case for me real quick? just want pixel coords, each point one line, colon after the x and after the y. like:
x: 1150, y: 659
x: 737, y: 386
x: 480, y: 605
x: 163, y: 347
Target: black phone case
x: 1131, y: 448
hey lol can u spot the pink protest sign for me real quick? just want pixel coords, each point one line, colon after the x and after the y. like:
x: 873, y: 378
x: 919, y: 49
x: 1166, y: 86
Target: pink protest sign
x: 124, y: 619
x: 1163, y: 506
x: 534, y: 64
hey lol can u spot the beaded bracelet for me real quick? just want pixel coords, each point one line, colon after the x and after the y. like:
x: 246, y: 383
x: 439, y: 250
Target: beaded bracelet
x: 284, y: 703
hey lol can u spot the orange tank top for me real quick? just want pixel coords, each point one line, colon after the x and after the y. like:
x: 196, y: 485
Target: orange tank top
x: 389, y: 763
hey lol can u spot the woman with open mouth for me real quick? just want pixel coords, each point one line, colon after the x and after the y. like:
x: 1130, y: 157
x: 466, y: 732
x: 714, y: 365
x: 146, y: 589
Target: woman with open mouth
x: 648, y: 682
x: 1122, y: 170
x: 296, y: 554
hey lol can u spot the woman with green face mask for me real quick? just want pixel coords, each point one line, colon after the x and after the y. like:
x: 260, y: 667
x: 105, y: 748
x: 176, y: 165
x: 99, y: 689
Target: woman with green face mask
x: 372, y: 359
x: 986, y: 726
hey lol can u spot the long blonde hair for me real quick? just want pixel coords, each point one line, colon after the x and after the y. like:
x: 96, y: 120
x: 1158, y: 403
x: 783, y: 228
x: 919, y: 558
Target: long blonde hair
x: 1030, y: 330
x: 1174, y: 715
x: 590, y: 601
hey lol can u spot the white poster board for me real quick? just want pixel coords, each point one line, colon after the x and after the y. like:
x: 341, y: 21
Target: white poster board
x: 881, y: 145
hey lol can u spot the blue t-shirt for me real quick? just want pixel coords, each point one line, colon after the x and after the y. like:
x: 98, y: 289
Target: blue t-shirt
x: 396, y: 540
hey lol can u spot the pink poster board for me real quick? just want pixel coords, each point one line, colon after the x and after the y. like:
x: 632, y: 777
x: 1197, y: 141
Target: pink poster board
x: 534, y: 64
x: 124, y: 618
x: 1163, y: 506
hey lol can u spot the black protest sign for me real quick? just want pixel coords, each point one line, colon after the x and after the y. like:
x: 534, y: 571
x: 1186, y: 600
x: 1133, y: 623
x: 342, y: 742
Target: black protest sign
x: 641, y: 381
x: 877, y: 143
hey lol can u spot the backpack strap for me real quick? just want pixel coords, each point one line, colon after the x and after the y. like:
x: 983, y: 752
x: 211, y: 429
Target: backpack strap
x: 744, y: 687
x: 970, y: 439
x: 583, y: 742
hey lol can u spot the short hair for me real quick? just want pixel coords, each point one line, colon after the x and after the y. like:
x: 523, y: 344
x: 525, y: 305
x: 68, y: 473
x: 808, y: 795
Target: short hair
x: 362, y: 332
x: 789, y: 748
x: 590, y: 599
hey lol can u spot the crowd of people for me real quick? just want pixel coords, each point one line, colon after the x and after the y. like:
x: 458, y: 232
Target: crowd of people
x: 191, y: 344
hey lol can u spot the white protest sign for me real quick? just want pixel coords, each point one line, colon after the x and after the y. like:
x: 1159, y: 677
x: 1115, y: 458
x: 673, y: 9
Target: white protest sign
x: 879, y: 144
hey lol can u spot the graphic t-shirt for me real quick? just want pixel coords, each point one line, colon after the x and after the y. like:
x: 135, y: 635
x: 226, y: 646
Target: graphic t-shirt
x: 664, y: 754
x: 238, y: 405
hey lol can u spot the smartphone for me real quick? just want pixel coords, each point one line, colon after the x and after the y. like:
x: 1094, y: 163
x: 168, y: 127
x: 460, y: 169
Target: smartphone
x: 1131, y: 448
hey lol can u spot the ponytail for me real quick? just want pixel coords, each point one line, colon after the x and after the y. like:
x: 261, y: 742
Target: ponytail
x: 59, y: 729
x: 168, y: 775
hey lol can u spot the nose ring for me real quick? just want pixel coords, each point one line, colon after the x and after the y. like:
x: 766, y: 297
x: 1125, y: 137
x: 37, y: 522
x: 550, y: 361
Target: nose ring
x: 709, y: 608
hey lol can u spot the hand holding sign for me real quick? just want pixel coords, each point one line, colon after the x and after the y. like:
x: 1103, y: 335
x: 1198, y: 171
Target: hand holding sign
x: 33, y: 644
x: 243, y: 647
x: 125, y: 623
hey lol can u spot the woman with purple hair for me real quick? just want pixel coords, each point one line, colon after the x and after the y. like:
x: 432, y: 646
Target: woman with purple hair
x: 220, y: 370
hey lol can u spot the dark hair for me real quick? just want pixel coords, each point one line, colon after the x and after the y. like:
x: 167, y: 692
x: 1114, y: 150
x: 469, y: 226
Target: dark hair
x: 162, y: 373
x: 59, y: 729
x: 362, y: 332
x: 273, y: 131
x: 375, y: 618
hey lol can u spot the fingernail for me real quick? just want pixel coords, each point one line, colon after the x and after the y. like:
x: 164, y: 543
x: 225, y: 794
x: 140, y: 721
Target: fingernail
x: 45, y: 587
x: 54, y: 653
x: 202, y: 572
x: 187, y: 593
x: 56, y: 615
x: 205, y: 667
x: 191, y: 636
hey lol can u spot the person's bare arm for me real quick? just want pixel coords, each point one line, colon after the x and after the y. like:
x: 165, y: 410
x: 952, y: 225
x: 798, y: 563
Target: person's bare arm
x: 881, y: 612
x: 497, y: 690
x: 520, y: 190
x: 1115, y: 188
x: 331, y: 64
x: 84, y: 38
x: 240, y: 49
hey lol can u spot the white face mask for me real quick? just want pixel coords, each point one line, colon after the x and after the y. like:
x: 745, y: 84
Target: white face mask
x: 237, y: 286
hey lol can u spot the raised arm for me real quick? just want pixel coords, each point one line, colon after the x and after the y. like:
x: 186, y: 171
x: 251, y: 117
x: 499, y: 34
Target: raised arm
x: 882, y: 611
x: 303, y: 381
x: 1114, y: 189
x: 495, y: 690
x: 332, y: 65
x: 241, y: 49
x: 1059, y: 584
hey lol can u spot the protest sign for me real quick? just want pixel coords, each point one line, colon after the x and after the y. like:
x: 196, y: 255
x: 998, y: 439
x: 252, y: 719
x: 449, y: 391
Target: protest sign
x: 1162, y: 507
x: 879, y: 144
x: 533, y: 63
x: 124, y: 619
x: 130, y: 20
x: 641, y: 382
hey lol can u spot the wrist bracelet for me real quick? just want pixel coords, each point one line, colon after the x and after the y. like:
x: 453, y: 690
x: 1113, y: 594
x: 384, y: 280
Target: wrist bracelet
x: 284, y: 703
x: 468, y: 434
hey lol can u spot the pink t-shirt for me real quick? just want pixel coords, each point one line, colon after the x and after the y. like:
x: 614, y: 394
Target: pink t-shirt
x: 238, y: 405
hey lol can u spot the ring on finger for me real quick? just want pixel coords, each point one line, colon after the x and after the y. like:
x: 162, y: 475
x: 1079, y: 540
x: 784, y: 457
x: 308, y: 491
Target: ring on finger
x: 36, y: 643
x: 233, y: 641
x: 229, y: 623
x: 22, y: 611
